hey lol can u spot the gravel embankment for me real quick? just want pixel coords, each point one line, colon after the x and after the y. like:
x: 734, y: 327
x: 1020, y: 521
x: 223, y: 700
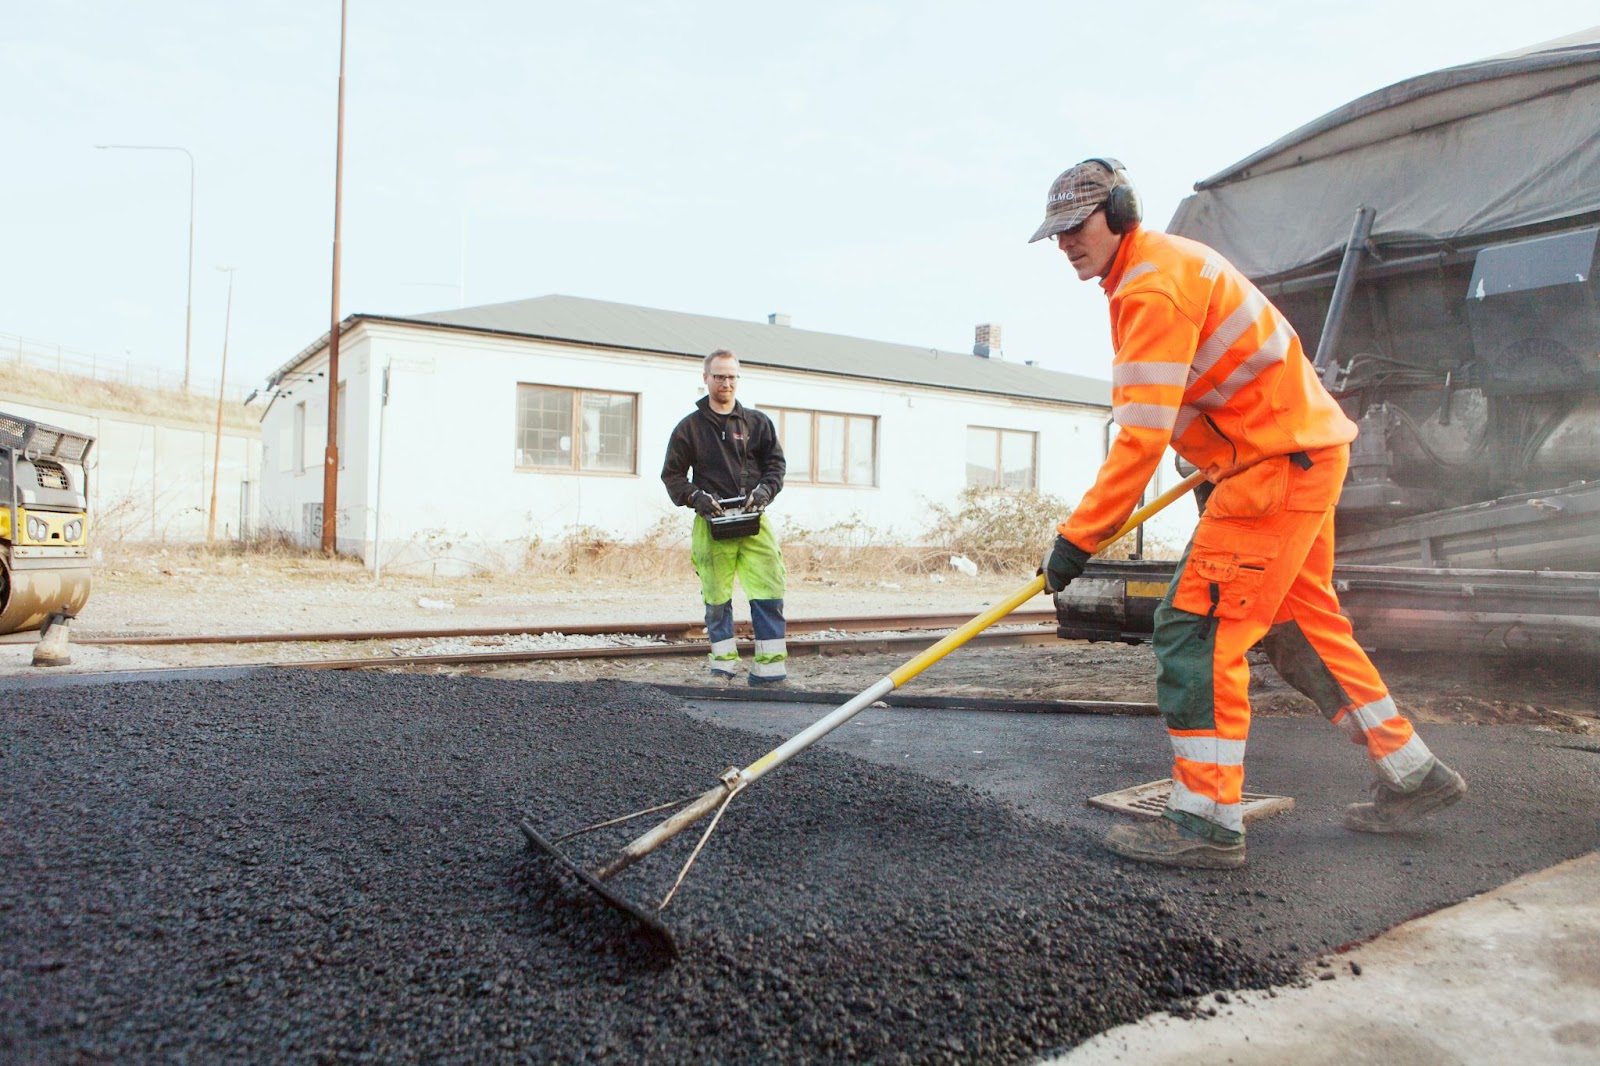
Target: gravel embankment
x: 318, y: 867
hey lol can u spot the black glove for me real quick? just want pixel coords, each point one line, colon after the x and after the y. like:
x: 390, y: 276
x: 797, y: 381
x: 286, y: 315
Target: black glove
x: 1063, y: 562
x: 705, y: 503
x: 758, y: 499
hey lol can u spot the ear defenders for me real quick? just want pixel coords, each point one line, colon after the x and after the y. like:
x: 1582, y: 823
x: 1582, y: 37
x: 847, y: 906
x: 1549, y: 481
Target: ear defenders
x: 1123, y: 210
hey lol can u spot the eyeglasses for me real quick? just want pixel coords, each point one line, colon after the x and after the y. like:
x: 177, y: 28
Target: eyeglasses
x: 725, y: 378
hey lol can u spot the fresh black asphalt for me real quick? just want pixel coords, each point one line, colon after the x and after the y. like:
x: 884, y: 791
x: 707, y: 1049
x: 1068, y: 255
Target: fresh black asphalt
x: 1533, y: 800
x: 309, y: 866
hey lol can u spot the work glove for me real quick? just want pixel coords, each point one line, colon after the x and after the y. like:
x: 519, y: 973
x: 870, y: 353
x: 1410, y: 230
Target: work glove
x: 758, y: 499
x: 1063, y: 562
x: 705, y: 503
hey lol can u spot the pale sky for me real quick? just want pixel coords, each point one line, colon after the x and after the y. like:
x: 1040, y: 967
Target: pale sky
x: 871, y: 169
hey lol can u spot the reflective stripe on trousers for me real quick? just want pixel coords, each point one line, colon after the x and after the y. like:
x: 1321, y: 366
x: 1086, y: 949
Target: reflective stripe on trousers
x: 1315, y: 669
x: 1262, y: 560
x: 770, y: 659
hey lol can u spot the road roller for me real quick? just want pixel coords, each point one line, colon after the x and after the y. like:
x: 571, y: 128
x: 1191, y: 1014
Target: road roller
x: 44, y: 524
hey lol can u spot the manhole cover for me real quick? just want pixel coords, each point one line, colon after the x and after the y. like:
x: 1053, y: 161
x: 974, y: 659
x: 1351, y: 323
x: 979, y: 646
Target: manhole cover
x: 1149, y: 800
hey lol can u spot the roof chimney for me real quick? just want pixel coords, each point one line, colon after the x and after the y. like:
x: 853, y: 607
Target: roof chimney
x: 777, y: 318
x: 986, y: 342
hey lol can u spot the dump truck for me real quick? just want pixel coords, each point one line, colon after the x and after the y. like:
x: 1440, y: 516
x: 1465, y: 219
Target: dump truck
x: 1433, y: 243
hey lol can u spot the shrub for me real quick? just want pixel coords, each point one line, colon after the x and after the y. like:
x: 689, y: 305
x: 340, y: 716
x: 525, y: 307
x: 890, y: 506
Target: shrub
x: 1000, y: 530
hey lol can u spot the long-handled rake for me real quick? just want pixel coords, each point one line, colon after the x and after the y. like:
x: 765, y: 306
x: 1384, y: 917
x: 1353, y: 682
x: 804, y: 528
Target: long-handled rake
x: 733, y: 781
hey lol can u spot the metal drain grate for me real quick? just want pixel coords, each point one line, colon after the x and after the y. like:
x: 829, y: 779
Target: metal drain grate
x: 1150, y: 799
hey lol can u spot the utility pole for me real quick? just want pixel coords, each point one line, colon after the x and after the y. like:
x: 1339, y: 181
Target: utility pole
x: 330, y: 462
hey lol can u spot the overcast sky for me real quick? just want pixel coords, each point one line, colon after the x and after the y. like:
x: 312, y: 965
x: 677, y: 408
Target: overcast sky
x: 872, y: 169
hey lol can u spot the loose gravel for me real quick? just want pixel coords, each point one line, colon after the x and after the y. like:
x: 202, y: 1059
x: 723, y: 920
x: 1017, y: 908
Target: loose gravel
x: 316, y: 867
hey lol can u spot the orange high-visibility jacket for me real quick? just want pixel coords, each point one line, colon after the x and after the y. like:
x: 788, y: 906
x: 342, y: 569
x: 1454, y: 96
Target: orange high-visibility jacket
x: 1203, y: 363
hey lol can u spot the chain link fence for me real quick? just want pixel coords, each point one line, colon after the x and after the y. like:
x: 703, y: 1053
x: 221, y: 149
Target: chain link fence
x: 48, y: 356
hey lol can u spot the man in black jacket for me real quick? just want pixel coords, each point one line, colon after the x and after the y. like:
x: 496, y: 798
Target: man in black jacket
x: 733, y: 452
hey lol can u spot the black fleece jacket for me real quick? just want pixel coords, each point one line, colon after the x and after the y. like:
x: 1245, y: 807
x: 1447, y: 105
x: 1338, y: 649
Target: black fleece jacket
x: 729, y: 454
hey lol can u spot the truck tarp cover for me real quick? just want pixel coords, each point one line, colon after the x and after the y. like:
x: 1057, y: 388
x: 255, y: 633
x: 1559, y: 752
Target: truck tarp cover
x: 1446, y: 158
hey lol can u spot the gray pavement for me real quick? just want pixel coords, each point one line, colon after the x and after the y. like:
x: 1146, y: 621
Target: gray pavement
x: 1510, y: 976
x: 1511, y: 971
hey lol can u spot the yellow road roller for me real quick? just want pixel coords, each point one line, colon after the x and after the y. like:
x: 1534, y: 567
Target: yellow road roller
x: 44, y: 523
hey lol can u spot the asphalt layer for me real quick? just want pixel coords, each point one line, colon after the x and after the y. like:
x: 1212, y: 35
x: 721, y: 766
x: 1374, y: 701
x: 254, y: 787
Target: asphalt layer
x: 306, y: 866
x: 1311, y: 886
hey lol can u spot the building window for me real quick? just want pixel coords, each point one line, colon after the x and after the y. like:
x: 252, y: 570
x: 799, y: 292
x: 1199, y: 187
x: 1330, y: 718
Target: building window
x: 825, y: 448
x: 1001, y: 458
x: 576, y: 429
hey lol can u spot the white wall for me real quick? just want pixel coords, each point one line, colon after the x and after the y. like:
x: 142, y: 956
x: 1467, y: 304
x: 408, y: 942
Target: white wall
x: 292, y: 472
x: 451, y: 487
x: 150, y: 479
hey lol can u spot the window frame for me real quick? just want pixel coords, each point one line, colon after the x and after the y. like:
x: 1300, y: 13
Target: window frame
x: 999, y: 453
x: 576, y: 394
x: 780, y: 414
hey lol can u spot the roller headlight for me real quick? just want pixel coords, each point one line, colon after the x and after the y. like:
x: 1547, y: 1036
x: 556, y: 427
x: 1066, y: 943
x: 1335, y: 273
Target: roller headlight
x: 37, y: 530
x: 75, y: 529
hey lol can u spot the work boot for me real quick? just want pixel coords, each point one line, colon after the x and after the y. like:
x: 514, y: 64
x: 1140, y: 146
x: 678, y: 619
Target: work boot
x: 1166, y: 843
x: 1390, y: 810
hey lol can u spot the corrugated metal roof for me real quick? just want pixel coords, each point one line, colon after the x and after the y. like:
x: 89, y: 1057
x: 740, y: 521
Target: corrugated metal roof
x: 647, y: 329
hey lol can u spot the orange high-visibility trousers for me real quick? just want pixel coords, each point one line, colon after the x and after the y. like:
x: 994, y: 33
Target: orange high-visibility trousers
x: 1260, y: 565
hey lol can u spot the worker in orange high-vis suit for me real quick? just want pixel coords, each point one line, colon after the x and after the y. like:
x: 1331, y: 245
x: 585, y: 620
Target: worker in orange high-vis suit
x: 1206, y: 365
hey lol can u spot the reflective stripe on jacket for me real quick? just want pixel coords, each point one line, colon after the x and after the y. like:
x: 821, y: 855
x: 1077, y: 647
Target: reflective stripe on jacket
x: 1204, y: 363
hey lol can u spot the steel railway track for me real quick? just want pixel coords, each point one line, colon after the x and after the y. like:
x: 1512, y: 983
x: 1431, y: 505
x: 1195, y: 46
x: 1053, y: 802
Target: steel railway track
x: 886, y: 633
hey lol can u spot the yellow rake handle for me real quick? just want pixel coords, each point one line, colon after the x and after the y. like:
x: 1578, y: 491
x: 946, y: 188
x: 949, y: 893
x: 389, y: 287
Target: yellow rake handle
x: 734, y: 780
x: 988, y: 618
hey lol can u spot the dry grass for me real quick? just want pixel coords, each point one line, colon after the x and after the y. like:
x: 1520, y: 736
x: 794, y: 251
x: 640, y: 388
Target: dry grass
x: 1002, y: 533
x: 133, y: 560
x: 47, y: 387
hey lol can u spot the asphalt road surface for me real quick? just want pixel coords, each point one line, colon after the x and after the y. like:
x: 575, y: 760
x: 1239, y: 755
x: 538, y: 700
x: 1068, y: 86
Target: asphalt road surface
x: 305, y: 866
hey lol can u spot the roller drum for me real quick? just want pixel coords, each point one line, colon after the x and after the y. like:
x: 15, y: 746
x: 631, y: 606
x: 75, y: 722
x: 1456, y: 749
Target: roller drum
x: 31, y: 590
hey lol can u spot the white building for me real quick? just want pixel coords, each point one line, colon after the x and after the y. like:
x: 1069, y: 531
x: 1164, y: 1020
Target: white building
x: 525, y: 421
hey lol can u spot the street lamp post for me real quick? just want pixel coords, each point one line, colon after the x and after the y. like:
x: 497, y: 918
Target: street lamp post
x: 188, y: 310
x: 222, y: 388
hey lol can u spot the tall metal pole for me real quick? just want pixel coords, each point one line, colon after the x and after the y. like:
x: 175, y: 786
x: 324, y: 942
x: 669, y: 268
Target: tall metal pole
x: 222, y: 387
x: 330, y: 468
x: 188, y: 309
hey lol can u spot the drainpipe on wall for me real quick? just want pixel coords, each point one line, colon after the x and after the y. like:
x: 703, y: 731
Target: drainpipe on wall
x: 1105, y: 453
x: 377, y: 524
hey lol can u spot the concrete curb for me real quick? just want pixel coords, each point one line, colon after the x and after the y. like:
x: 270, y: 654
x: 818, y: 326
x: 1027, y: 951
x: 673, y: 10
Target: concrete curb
x: 783, y: 694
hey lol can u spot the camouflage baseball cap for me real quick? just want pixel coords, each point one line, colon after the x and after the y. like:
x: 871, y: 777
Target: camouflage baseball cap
x: 1074, y: 196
